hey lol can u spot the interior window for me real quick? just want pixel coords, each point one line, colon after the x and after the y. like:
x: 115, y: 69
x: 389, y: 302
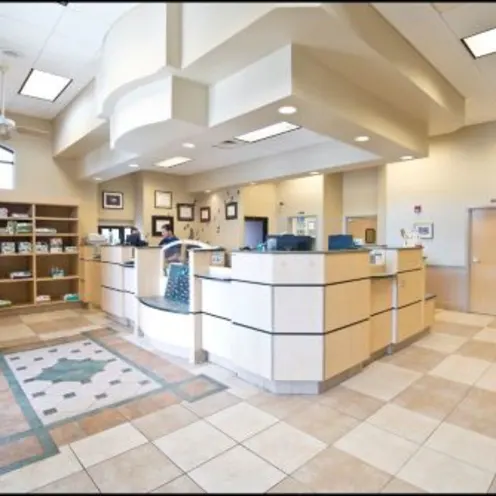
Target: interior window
x: 7, y: 157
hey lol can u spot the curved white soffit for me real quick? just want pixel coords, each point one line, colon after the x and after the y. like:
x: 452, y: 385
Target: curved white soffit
x: 134, y: 50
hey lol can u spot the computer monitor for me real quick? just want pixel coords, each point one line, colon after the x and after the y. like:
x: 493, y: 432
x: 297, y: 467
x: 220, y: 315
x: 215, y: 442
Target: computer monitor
x: 289, y: 242
x: 340, y: 242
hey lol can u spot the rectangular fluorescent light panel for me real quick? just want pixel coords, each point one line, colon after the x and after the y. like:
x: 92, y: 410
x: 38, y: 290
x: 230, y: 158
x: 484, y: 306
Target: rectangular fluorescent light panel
x: 44, y: 85
x: 482, y: 43
x: 172, y: 162
x: 267, y: 132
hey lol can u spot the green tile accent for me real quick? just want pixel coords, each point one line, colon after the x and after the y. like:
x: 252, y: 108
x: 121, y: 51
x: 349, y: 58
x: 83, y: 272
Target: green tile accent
x: 67, y: 370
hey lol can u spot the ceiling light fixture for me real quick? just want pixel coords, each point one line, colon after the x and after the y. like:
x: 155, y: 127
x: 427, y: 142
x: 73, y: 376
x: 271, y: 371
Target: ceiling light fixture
x: 253, y: 184
x: 288, y: 110
x: 207, y: 191
x: 315, y: 173
x: 267, y: 132
x: 133, y: 166
x: 362, y: 139
x: 172, y: 162
x: 44, y: 86
x: 189, y: 145
x: 406, y: 157
x: 481, y: 44
x: 98, y: 178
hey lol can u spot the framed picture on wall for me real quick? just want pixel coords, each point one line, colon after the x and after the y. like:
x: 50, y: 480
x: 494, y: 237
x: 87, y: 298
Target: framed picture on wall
x: 163, y: 199
x: 112, y: 200
x: 185, y: 212
x: 204, y: 214
x: 425, y: 230
x: 161, y: 220
x: 231, y: 211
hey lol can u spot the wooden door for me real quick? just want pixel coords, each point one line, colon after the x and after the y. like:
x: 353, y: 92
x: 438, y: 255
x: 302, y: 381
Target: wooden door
x: 362, y: 228
x: 483, y: 261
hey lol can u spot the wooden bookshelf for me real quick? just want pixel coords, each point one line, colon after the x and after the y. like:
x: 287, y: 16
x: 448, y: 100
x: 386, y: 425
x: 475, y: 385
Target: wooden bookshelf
x: 23, y: 292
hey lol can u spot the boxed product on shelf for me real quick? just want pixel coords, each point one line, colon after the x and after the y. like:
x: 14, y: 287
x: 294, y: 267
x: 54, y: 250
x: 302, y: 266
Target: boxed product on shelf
x: 56, y: 249
x: 46, y: 230
x: 7, y: 247
x: 71, y: 249
x: 56, y: 272
x: 11, y: 226
x: 24, y: 247
x: 41, y: 247
x: 21, y: 274
x: 20, y: 215
x: 24, y: 227
x: 4, y: 212
x: 43, y: 298
x: 71, y: 297
x: 5, y: 303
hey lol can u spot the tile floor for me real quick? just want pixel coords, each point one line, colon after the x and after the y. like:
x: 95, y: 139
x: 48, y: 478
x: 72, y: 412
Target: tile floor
x: 421, y: 420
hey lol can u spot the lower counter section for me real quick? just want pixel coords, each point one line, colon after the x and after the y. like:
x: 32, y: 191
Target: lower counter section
x: 409, y: 321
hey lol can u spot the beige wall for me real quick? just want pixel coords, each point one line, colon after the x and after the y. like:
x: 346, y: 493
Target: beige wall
x: 332, y: 211
x: 260, y: 200
x: 360, y: 192
x: 127, y: 186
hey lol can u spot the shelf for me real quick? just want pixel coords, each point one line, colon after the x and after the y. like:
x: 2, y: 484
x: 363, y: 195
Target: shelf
x: 57, y: 254
x: 27, y: 235
x: 5, y: 255
x: 58, y: 219
x: 11, y: 281
x: 65, y: 278
x: 57, y: 235
x: 20, y: 219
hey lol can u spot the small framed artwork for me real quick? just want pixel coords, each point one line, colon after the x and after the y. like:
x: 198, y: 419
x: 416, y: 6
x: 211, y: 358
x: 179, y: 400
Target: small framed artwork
x: 112, y: 200
x: 231, y: 211
x: 425, y: 230
x: 185, y: 212
x: 163, y: 199
x: 158, y: 221
x: 204, y: 214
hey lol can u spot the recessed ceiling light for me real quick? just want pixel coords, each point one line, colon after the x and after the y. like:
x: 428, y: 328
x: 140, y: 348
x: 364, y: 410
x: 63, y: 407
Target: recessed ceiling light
x: 267, y: 132
x: 253, y: 184
x: 362, y: 139
x: 134, y: 166
x: 98, y: 178
x: 481, y: 44
x: 172, y: 162
x: 44, y: 85
x: 189, y: 145
x: 315, y: 173
x: 207, y: 191
x: 406, y: 157
x: 288, y: 110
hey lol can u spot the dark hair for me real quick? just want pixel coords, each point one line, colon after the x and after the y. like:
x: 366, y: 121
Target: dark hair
x: 134, y: 229
x: 166, y: 227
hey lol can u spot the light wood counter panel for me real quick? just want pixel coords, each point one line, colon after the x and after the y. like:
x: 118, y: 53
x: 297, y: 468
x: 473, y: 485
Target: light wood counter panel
x: 346, y: 303
x: 409, y: 321
x: 381, y: 294
x: 381, y: 331
x: 410, y: 288
x: 346, y: 266
x: 402, y: 259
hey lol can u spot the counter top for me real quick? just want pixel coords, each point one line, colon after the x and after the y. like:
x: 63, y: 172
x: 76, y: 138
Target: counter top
x: 328, y: 252
x: 382, y: 275
x: 161, y: 303
x: 214, y: 277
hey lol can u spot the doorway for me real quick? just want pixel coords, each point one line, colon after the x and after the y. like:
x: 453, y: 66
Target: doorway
x: 363, y: 227
x: 256, y: 231
x: 482, y: 261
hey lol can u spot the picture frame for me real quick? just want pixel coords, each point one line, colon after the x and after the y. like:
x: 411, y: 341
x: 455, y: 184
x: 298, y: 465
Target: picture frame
x: 231, y: 210
x: 112, y: 200
x: 158, y: 221
x: 185, y: 212
x: 425, y: 230
x: 204, y: 214
x: 163, y: 199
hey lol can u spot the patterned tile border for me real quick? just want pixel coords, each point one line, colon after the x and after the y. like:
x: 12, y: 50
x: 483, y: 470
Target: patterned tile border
x: 41, y: 432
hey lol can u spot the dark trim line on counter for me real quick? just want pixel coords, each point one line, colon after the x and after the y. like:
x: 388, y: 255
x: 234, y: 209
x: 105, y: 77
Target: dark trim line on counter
x: 408, y: 305
x: 430, y: 296
x: 381, y: 312
x: 213, y: 278
x: 168, y: 310
x: 118, y: 290
x: 227, y: 319
x: 292, y: 285
x: 408, y: 270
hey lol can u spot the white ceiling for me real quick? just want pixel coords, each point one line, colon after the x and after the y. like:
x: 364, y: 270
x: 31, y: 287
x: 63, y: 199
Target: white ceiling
x: 56, y: 39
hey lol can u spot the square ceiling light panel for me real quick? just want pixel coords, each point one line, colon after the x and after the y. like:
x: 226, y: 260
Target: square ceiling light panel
x: 44, y: 86
x: 267, y: 132
x: 172, y: 162
x: 481, y: 44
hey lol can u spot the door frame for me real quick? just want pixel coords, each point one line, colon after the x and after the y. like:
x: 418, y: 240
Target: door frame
x: 265, y: 225
x: 468, y: 262
x: 371, y: 216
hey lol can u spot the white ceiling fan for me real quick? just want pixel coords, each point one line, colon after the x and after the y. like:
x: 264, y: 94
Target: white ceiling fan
x: 8, y: 127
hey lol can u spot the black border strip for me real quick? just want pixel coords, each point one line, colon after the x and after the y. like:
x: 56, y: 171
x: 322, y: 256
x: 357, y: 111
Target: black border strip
x: 408, y: 305
x: 169, y: 310
x: 382, y: 311
x: 290, y: 285
x: 430, y: 296
x: 409, y: 270
x: 118, y: 290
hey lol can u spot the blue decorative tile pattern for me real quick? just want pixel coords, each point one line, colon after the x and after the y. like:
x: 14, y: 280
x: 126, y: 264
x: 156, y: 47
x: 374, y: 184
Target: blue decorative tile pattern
x: 177, y: 289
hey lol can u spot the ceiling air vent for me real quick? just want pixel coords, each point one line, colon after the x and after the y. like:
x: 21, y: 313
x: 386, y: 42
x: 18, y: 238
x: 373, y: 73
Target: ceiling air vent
x: 229, y: 144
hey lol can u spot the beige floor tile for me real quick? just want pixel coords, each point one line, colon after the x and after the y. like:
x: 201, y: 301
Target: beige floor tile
x: 378, y: 448
x: 15, y: 332
x: 439, y: 473
x: 454, y: 329
x: 139, y: 470
x: 182, y: 484
x: 237, y: 471
x: 397, y: 486
x: 477, y: 412
x: 241, y: 388
x: 332, y: 470
x: 212, y: 404
x: 415, y: 358
x: 280, y: 406
x: 290, y: 486
x: 404, y: 423
x: 285, y: 447
x: 322, y: 422
x: 79, y: 483
x: 470, y: 319
x: 193, y: 445
x: 443, y: 343
x: 33, y: 318
x: 488, y: 379
x: 432, y: 396
x: 241, y: 421
x: 41, y: 473
x: 382, y: 381
x: 214, y: 371
x: 478, y: 349
x: 487, y: 335
x: 350, y: 402
x: 164, y: 421
x: 104, y: 445
x: 461, y: 369
x: 467, y: 446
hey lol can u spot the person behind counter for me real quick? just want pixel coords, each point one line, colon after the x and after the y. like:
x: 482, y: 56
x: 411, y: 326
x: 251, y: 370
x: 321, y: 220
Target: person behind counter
x: 168, y: 237
x: 134, y: 239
